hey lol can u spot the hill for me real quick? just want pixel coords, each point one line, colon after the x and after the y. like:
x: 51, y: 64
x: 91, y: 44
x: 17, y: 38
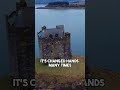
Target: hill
x: 48, y: 1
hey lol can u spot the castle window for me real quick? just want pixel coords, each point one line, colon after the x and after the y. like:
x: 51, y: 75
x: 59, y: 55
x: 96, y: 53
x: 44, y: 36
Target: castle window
x: 51, y: 36
x: 56, y: 35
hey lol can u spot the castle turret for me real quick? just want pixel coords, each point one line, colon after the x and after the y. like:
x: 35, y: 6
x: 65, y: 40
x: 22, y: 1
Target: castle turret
x: 67, y: 45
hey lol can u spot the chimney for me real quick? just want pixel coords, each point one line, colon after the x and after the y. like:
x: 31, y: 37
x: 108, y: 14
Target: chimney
x: 60, y: 26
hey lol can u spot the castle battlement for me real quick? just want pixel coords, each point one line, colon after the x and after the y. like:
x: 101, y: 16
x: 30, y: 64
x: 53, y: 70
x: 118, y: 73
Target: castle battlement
x: 52, y: 32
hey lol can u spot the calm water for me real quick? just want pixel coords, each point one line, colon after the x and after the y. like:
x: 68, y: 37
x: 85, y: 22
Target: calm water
x: 73, y: 21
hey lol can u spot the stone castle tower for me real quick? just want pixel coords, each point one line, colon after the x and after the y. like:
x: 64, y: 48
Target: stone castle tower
x: 54, y: 43
x: 20, y: 29
x: 20, y: 34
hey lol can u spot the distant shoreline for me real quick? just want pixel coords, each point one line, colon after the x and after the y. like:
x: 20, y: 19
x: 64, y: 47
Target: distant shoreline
x: 60, y: 8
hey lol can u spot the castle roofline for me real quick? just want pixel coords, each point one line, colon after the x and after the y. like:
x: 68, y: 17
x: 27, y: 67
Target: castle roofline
x: 54, y: 32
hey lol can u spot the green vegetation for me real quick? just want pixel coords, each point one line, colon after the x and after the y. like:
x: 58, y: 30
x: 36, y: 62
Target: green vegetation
x: 77, y: 69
